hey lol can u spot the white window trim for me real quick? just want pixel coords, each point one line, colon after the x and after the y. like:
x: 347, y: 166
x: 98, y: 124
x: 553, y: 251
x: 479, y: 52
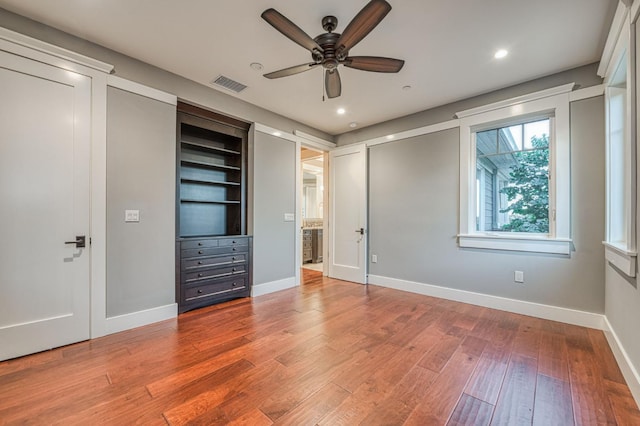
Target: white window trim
x: 622, y: 44
x: 555, y: 102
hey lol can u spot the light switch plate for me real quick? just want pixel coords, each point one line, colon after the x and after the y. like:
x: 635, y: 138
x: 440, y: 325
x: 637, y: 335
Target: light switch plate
x: 132, y: 215
x: 289, y: 217
x: 518, y: 276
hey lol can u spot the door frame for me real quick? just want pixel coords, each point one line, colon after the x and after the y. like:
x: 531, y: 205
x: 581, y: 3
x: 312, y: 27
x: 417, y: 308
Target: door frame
x: 308, y: 141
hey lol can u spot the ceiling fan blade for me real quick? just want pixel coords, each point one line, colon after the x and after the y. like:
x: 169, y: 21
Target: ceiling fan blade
x: 290, y: 30
x: 365, y: 21
x: 374, y: 63
x: 291, y: 70
x: 332, y: 83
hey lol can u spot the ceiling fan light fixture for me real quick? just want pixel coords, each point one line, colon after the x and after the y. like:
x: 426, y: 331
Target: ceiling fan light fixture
x: 341, y: 111
x: 353, y: 124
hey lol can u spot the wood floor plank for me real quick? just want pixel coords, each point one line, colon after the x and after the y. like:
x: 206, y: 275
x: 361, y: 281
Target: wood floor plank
x: 328, y: 352
x: 443, y: 395
x: 471, y: 412
x: 315, y: 407
x: 552, y: 404
x: 486, y: 380
x: 516, y: 398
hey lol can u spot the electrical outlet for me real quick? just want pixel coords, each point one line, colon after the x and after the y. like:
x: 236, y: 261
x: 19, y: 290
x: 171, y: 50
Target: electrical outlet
x: 374, y: 258
x: 518, y: 276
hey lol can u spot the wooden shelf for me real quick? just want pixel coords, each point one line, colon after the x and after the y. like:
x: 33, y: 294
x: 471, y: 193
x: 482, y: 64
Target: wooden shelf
x: 211, y: 165
x: 208, y: 202
x: 211, y: 148
x: 209, y: 182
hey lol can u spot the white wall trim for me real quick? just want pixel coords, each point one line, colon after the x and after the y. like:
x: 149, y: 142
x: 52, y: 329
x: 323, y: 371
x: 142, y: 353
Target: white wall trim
x: 139, y: 89
x: 565, y: 88
x: 554, y: 313
x: 273, y: 286
x: 621, y: 258
x: 629, y: 371
x: 259, y: 127
x: 140, y: 318
x: 586, y: 93
x: 314, y: 141
x: 619, y: 20
x: 516, y: 243
x: 52, y: 50
x: 425, y: 130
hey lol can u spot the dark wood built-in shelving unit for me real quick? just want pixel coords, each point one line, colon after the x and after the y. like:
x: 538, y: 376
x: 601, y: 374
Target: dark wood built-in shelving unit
x: 213, y: 250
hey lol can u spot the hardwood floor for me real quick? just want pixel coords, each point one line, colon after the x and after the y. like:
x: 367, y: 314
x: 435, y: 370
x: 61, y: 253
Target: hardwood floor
x: 327, y: 353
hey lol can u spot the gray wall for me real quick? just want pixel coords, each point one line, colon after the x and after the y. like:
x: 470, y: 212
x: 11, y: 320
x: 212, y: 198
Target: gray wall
x: 273, y: 187
x: 584, y: 76
x: 135, y: 70
x: 414, y: 215
x: 141, y: 164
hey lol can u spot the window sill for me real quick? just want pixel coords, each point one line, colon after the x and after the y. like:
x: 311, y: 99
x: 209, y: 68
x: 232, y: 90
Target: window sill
x: 621, y: 258
x: 523, y: 243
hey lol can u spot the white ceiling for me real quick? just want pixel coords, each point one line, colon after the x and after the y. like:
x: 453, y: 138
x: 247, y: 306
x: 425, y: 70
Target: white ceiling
x: 448, y: 47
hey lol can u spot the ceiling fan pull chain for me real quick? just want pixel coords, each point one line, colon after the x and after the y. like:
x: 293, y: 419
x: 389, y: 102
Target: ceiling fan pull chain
x: 322, y: 84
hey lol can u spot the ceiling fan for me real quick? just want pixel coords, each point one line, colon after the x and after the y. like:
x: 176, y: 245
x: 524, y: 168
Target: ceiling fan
x: 332, y: 49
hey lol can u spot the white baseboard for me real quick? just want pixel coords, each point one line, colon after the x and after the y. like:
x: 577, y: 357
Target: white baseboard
x: 554, y: 313
x: 624, y: 362
x: 273, y: 286
x: 140, y: 318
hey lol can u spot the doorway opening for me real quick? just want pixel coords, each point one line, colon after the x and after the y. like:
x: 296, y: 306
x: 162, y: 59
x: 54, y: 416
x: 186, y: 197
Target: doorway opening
x: 314, y: 201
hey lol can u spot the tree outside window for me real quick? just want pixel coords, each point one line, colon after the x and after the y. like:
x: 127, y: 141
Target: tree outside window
x: 512, y: 178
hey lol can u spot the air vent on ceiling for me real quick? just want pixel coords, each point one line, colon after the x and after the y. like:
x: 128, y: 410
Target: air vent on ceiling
x: 227, y: 83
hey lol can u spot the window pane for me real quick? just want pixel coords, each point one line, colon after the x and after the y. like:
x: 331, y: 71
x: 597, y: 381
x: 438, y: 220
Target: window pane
x: 487, y: 142
x: 536, y: 134
x: 511, y: 139
x: 512, y: 188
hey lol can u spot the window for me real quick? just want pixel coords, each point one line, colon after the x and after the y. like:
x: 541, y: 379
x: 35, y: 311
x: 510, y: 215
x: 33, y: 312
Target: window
x: 515, y: 174
x: 512, y: 178
x: 620, y: 238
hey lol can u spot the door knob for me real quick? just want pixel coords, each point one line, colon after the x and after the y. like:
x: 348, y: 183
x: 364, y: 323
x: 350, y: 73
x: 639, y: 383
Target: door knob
x: 80, y: 242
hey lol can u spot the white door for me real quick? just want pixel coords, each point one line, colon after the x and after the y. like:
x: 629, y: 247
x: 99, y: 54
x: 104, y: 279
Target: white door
x: 348, y: 216
x: 44, y: 193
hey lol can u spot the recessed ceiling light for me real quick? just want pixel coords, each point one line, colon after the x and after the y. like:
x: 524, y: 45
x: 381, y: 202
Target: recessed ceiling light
x: 389, y: 137
x: 256, y: 66
x: 341, y: 111
x: 353, y: 124
x: 406, y: 88
x: 501, y: 54
x: 277, y: 134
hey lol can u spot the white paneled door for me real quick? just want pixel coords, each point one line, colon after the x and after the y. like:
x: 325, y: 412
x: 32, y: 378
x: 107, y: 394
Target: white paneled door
x: 44, y: 206
x: 348, y: 217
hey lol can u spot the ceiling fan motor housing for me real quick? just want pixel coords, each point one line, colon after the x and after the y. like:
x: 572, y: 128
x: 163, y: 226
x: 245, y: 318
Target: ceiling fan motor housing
x: 328, y: 57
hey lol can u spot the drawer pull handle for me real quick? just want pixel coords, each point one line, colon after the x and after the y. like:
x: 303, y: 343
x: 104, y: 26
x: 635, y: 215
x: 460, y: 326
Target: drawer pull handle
x: 233, y: 242
x: 199, y: 262
x: 234, y: 269
x: 200, y: 244
x: 234, y: 284
x: 199, y: 291
x: 233, y: 258
x: 199, y: 275
x: 199, y: 251
x: 234, y: 249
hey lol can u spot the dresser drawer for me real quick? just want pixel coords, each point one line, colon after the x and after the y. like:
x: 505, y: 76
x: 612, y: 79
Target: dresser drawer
x: 240, y: 241
x: 215, y: 288
x: 220, y: 272
x: 212, y: 251
x: 190, y: 264
x: 194, y: 244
